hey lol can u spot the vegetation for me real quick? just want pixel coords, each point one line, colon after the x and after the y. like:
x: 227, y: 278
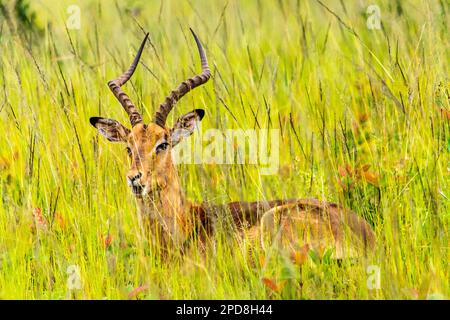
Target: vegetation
x: 364, y: 120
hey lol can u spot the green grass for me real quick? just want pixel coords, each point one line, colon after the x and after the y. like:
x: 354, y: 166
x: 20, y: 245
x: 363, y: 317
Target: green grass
x: 341, y: 95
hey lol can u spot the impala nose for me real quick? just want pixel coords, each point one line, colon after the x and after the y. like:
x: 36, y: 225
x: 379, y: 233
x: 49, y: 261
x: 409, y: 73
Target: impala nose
x: 133, y: 178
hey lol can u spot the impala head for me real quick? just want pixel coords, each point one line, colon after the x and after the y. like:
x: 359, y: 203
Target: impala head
x: 149, y: 145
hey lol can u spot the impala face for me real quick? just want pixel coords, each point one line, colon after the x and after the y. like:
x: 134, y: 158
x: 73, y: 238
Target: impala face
x: 149, y: 148
x: 149, y: 145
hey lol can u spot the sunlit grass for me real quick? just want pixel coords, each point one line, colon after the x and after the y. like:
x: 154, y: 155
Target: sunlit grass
x: 363, y: 118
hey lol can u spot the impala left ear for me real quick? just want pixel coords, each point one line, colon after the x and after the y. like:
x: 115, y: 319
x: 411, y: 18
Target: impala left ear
x: 186, y: 125
x: 111, y: 129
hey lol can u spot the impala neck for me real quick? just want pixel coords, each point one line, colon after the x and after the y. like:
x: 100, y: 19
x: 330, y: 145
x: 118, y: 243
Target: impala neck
x: 167, y: 210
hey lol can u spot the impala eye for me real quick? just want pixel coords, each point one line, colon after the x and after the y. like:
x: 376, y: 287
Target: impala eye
x: 161, y: 147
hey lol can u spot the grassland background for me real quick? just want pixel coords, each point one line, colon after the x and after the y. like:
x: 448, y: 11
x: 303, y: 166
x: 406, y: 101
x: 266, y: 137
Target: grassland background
x: 343, y: 96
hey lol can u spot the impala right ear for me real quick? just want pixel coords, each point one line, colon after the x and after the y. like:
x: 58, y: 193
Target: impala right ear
x: 186, y: 125
x: 111, y: 129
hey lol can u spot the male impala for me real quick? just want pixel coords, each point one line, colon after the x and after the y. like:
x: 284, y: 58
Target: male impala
x: 154, y: 181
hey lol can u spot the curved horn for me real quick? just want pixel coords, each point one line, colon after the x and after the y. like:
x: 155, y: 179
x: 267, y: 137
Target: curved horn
x: 125, y: 101
x: 184, y: 87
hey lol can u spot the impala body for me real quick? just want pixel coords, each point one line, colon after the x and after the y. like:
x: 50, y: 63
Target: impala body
x: 166, y: 213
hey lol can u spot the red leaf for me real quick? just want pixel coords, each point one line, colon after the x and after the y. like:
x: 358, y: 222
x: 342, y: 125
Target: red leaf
x: 107, y: 240
x: 371, y: 178
x: 445, y: 113
x: 342, y: 171
x: 137, y: 291
x: 39, y: 217
x: 271, y: 284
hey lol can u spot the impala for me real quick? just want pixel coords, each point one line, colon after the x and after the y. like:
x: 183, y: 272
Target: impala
x: 167, y: 213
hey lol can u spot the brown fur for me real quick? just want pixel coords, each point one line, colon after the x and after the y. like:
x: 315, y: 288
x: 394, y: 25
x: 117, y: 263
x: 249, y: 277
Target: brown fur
x: 299, y: 221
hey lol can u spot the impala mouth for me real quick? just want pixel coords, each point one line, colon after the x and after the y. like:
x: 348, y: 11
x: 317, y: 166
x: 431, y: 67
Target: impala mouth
x: 137, y: 190
x: 140, y: 191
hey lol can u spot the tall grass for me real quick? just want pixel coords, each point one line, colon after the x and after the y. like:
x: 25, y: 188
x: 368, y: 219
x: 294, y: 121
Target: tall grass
x: 363, y: 118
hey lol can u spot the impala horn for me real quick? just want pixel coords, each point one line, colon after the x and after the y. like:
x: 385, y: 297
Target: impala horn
x: 115, y: 86
x: 184, y: 87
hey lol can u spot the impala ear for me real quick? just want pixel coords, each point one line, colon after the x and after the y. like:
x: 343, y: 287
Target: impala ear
x: 186, y: 125
x: 111, y: 129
